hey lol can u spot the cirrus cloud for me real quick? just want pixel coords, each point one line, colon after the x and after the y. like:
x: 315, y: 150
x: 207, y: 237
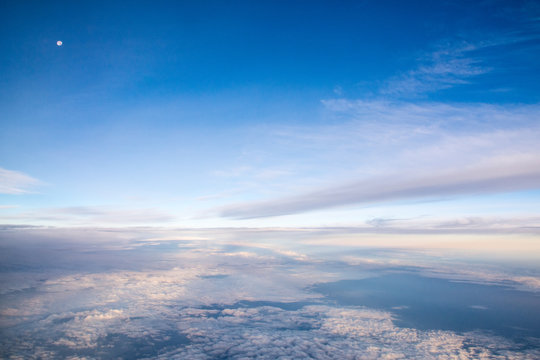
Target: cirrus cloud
x: 399, y: 151
x: 15, y: 182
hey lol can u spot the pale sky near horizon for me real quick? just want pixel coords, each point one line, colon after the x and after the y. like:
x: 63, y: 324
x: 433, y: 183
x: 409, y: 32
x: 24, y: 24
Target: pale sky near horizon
x: 388, y: 114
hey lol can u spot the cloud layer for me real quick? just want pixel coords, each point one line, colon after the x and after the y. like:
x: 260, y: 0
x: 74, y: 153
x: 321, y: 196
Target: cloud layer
x: 204, y: 294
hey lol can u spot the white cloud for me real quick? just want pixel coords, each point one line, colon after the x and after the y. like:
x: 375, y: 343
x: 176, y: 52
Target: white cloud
x: 438, y: 267
x: 323, y: 332
x: 15, y: 182
x: 448, y: 66
x: 470, y: 180
x: 93, y: 215
x: 195, y: 291
x: 452, y: 63
x: 401, y: 151
x: 8, y: 206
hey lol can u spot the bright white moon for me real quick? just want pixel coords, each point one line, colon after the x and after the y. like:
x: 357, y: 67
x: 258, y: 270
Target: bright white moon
x: 59, y: 43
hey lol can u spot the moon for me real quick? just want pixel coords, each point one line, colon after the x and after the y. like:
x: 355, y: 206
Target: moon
x: 59, y: 43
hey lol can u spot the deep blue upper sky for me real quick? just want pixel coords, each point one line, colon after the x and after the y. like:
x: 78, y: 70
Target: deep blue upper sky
x: 161, y: 48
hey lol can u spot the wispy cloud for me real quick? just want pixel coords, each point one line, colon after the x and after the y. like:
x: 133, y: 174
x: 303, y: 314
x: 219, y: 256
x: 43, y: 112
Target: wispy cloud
x: 84, y: 215
x: 414, y: 152
x: 524, y: 174
x: 15, y: 182
x: 470, y: 224
x: 448, y: 66
x: 8, y: 206
x: 458, y: 61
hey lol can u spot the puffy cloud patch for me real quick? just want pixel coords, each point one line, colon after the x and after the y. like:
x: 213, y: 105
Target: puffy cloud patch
x: 323, y: 332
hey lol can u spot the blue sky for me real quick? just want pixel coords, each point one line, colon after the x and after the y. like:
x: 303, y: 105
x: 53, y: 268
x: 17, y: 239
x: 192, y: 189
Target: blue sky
x: 271, y: 114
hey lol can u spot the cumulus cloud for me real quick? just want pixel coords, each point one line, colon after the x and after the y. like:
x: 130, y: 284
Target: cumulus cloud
x: 222, y: 298
x: 267, y: 332
x: 88, y: 311
x: 15, y: 182
x: 322, y: 332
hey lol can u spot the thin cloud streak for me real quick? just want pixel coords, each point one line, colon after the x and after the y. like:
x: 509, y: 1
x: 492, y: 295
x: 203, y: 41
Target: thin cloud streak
x: 454, y: 63
x: 444, y: 68
x: 15, y: 182
x: 420, y: 153
x: 92, y: 215
x: 391, y: 188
